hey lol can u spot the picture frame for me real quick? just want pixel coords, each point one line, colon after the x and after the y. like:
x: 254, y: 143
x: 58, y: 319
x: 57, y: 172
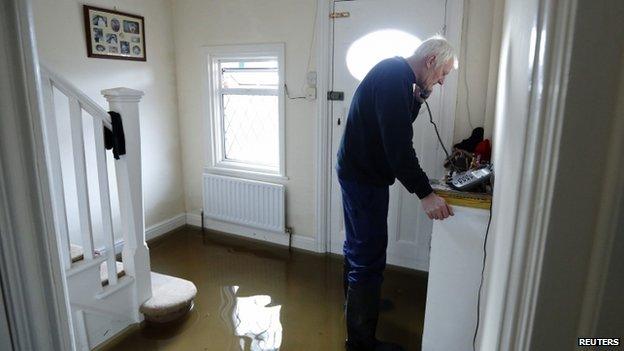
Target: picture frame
x: 115, y: 35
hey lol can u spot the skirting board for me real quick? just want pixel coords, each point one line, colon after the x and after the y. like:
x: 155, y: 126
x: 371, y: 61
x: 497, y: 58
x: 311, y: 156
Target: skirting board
x: 298, y: 241
x: 156, y: 230
x: 165, y: 226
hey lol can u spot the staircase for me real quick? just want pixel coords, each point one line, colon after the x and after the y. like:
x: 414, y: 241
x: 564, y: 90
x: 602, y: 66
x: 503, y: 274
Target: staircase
x: 88, y: 214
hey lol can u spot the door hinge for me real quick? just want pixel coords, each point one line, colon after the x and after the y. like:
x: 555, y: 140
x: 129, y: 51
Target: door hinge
x: 339, y: 14
x: 335, y: 95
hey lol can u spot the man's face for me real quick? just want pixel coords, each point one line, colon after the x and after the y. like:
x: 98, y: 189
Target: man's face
x: 436, y: 75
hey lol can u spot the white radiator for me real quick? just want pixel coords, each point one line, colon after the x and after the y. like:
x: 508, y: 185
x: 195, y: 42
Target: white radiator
x: 245, y: 202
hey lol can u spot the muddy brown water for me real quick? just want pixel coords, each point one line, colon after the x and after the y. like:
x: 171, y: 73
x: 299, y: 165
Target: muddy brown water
x: 260, y: 297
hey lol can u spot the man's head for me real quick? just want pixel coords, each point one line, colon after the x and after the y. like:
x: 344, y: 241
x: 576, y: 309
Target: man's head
x: 432, y: 61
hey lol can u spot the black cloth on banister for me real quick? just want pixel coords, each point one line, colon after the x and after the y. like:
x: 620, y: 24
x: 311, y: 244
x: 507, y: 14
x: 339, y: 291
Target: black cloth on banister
x: 377, y: 146
x: 115, y: 139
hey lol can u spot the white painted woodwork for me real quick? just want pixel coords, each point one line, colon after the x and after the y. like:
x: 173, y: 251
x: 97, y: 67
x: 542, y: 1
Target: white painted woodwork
x: 5, y: 332
x: 84, y: 212
x: 80, y: 330
x: 323, y: 127
x: 53, y: 159
x: 31, y: 271
x: 105, y: 206
x: 213, y: 124
x: 135, y: 254
x: 69, y: 90
x: 409, y: 229
x: 249, y: 203
x: 99, y: 312
x: 454, y: 277
x: 555, y: 198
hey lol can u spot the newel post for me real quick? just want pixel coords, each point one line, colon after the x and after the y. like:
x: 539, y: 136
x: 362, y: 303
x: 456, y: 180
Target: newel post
x: 135, y: 253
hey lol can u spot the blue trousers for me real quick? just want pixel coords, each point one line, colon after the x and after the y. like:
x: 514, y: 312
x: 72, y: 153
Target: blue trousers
x: 366, y: 226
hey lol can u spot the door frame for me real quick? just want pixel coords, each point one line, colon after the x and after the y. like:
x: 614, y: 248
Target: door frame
x: 324, y: 47
x: 536, y: 297
x: 31, y: 275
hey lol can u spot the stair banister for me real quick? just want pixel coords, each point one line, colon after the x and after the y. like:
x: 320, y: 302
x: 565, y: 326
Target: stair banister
x: 70, y: 91
x: 135, y: 253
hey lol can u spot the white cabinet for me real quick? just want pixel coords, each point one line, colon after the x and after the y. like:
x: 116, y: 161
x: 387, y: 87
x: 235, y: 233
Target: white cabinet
x: 456, y: 260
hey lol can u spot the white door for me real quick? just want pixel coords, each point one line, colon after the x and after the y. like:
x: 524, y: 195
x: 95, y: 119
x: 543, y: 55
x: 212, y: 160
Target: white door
x: 366, y: 31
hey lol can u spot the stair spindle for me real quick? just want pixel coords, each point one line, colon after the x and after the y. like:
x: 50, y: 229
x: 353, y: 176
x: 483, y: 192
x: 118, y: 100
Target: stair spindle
x: 56, y: 177
x: 107, y: 218
x: 80, y: 170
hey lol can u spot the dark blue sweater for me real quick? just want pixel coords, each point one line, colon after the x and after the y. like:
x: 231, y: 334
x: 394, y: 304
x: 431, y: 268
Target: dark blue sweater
x: 376, y: 146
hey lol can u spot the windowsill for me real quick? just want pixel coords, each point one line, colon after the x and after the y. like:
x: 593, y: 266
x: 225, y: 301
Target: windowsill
x: 245, y: 174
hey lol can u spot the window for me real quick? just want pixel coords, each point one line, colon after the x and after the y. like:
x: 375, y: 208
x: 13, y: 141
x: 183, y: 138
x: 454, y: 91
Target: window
x: 245, y: 97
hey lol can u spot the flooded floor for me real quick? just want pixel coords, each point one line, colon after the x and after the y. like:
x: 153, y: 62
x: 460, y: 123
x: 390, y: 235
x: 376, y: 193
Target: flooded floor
x: 256, y: 296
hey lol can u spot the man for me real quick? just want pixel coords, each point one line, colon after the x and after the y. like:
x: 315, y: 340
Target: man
x: 375, y: 149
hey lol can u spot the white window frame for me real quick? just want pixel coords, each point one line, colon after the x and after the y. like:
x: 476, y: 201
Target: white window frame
x: 217, y: 163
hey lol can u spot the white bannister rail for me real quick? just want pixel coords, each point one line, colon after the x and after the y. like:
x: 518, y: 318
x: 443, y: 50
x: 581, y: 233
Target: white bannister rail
x: 135, y: 254
x: 70, y: 90
x: 78, y: 102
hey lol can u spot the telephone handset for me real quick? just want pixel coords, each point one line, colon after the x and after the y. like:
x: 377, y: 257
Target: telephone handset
x: 425, y: 94
x: 471, y: 178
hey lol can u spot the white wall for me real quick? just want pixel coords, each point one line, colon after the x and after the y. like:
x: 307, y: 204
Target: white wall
x: 201, y: 23
x: 62, y: 47
x: 172, y: 183
x: 478, y: 67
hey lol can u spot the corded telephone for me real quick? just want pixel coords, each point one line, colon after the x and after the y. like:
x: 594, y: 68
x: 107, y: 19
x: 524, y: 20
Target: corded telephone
x: 464, y: 180
x: 471, y: 178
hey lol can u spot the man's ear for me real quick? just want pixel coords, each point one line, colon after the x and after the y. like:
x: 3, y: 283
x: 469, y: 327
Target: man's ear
x: 431, y: 61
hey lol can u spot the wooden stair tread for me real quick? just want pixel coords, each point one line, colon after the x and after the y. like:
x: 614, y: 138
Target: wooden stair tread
x: 77, y: 253
x: 104, y: 272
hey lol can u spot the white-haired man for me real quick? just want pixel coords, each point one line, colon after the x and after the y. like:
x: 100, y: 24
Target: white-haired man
x: 376, y: 149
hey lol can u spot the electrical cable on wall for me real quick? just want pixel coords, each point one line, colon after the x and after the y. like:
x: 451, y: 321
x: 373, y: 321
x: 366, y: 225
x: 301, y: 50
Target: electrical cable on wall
x: 487, y: 231
x: 465, y: 56
x: 307, y: 69
x: 435, y: 127
x: 311, y: 41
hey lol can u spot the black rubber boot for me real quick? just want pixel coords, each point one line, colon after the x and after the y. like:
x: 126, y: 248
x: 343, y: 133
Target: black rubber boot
x: 345, y: 278
x: 362, y: 314
x: 388, y: 346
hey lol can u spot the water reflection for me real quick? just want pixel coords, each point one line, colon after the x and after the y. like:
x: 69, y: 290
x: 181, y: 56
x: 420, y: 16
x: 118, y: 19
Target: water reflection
x: 253, y: 320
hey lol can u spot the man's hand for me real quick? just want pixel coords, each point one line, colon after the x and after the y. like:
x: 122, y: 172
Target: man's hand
x: 435, y: 207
